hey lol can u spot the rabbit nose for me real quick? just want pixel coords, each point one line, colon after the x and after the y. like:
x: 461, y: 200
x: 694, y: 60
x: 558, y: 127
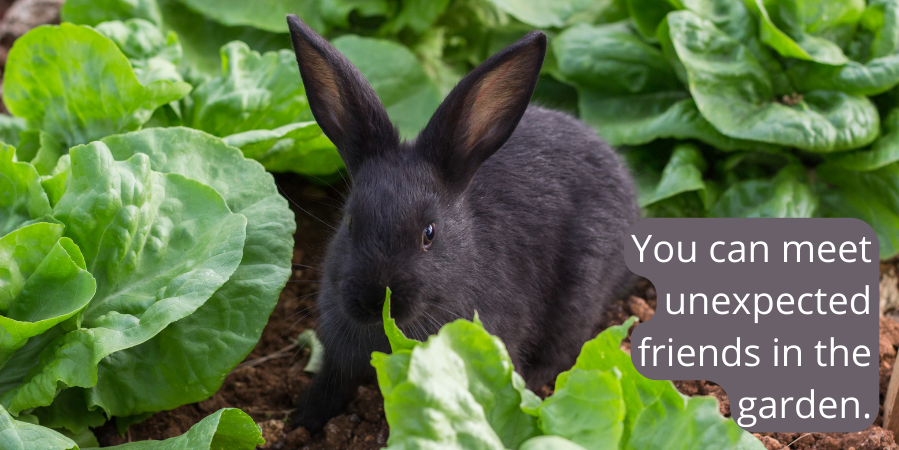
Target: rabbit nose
x: 372, y: 299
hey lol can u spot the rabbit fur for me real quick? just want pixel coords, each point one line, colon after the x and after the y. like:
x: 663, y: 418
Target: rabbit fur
x: 528, y: 208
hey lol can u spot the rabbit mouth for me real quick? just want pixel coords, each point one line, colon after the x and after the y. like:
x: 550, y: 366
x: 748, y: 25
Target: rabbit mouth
x: 363, y: 314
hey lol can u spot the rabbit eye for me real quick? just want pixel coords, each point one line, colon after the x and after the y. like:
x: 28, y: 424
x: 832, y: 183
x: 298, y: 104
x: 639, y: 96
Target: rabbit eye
x: 427, y: 236
x: 349, y: 223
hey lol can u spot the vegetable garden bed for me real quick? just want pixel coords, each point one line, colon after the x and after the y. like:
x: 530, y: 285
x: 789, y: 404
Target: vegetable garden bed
x: 267, y: 384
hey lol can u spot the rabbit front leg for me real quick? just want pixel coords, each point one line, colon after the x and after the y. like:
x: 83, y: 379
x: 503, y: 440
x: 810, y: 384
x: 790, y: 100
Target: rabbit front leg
x: 332, y: 389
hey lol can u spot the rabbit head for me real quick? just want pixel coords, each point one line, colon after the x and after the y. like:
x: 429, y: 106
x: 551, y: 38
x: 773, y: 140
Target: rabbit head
x: 407, y: 224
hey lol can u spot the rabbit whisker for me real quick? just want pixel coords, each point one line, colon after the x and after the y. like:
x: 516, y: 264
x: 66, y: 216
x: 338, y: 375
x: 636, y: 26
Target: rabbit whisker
x: 434, y: 321
x: 304, y: 209
x: 304, y: 296
x: 294, y: 315
x: 454, y: 315
x: 339, y: 172
x: 323, y: 182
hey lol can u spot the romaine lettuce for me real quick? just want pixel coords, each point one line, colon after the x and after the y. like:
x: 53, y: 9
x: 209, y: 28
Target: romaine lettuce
x: 75, y: 84
x: 225, y: 429
x: 458, y: 389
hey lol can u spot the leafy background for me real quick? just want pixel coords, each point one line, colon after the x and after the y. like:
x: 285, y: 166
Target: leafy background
x: 754, y: 108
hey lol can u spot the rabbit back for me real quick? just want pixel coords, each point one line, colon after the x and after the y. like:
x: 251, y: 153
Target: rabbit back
x: 550, y: 211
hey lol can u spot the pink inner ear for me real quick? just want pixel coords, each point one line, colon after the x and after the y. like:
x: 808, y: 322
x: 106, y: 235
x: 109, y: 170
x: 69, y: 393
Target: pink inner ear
x: 324, y: 82
x: 495, y: 93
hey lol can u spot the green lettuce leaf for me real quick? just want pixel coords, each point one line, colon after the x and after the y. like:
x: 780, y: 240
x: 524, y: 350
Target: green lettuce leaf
x: 297, y: 147
x: 683, y: 173
x: 832, y: 19
x: 21, y: 196
x: 790, y: 27
x: 43, y: 282
x: 624, y: 85
x: 657, y: 416
x: 874, y: 77
x: 188, y: 360
x: 628, y: 92
x: 876, y: 69
x: 69, y: 412
x: 876, y: 66
x: 17, y: 435
x: 872, y: 196
x: 159, y: 246
x: 76, y: 85
x: 226, y: 428
x: 93, y: 12
x: 396, y: 337
x: 455, y: 391
x: 336, y: 13
x: 733, y: 18
x: 84, y: 440
x: 788, y: 194
x: 549, y: 443
x: 40, y: 149
x: 202, y: 37
x: 10, y: 127
x: 883, y: 152
x: 406, y: 91
x: 55, y: 183
x: 734, y: 92
x: 458, y: 389
x: 603, y: 353
x: 613, y: 60
x: 416, y: 15
x: 647, y: 15
x: 268, y: 15
x: 685, y: 424
x: 553, y: 13
x: 255, y: 91
x: 588, y: 410
x: 308, y: 340
x: 153, y: 55
x: 321, y: 15
x: 881, y: 20
x: 677, y: 189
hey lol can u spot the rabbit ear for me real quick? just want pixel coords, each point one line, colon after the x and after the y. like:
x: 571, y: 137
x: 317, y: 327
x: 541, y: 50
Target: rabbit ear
x: 482, y: 111
x: 343, y: 103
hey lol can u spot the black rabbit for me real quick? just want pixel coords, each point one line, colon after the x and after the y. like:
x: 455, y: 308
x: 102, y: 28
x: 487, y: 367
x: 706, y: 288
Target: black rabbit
x: 512, y: 210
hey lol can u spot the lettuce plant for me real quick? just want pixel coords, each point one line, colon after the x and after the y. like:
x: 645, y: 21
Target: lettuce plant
x: 46, y: 85
x: 760, y: 108
x: 124, y: 294
x: 137, y: 267
x: 226, y: 428
x: 459, y: 390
